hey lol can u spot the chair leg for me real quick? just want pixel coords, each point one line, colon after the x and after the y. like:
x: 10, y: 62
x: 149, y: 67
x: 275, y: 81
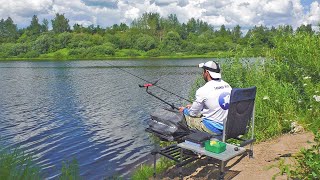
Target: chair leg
x: 251, y: 151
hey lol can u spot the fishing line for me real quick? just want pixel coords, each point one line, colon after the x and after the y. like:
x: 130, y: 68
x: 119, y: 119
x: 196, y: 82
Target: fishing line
x: 153, y: 83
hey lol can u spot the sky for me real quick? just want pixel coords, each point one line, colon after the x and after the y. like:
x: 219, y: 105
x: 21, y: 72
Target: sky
x: 246, y: 13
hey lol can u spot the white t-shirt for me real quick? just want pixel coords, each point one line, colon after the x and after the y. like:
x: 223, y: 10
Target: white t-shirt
x: 212, y: 101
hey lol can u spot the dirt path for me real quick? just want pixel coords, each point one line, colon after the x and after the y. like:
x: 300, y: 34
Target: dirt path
x: 265, y: 154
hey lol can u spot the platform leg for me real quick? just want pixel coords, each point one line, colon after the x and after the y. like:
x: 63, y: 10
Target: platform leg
x: 154, y: 165
x: 180, y: 167
x: 154, y: 152
x: 221, y: 175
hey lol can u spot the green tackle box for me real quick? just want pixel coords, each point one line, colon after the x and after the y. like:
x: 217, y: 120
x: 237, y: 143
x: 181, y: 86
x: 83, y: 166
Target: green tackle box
x: 215, y: 146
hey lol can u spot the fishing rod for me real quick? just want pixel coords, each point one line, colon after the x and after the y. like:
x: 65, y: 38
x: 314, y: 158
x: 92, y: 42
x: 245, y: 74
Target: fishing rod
x: 151, y: 84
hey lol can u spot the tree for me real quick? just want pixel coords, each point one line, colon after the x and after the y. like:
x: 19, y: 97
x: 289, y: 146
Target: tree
x: 223, y: 31
x: 172, y: 22
x: 45, y: 25
x: 305, y: 28
x: 146, y: 43
x: 123, y: 27
x: 35, y: 28
x: 172, y: 42
x: 60, y: 24
x: 236, y: 34
x: 63, y: 39
x: 191, y: 26
x: 8, y: 31
x: 43, y: 44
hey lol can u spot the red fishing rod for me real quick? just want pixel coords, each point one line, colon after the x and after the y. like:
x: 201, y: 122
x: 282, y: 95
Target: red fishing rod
x: 153, y: 84
x: 149, y: 84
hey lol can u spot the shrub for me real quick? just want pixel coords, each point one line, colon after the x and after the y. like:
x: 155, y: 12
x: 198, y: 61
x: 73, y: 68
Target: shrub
x: 154, y: 53
x: 32, y: 54
x: 131, y: 52
x: 59, y: 55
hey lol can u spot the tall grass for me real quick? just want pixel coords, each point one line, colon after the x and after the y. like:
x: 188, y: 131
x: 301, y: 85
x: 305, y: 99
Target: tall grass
x: 276, y: 100
x: 299, y: 56
x: 146, y: 171
x: 70, y: 170
x: 15, y: 165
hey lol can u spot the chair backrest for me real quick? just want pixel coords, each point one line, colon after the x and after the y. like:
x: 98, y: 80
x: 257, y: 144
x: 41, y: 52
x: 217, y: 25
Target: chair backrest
x: 241, y: 111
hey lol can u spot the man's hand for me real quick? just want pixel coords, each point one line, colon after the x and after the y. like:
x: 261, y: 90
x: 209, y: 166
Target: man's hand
x: 182, y: 108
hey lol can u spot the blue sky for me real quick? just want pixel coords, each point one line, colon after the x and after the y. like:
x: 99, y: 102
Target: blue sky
x: 246, y: 13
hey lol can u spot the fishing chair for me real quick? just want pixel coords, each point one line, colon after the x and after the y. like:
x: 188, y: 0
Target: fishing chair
x: 241, y: 112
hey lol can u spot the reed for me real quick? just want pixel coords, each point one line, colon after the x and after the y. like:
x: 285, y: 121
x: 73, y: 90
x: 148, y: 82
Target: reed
x: 145, y: 171
x: 15, y: 164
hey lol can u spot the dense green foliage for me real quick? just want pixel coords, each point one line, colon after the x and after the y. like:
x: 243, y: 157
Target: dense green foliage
x: 148, y: 36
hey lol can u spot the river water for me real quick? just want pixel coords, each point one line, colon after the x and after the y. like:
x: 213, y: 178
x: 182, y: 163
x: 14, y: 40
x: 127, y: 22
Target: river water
x: 93, y: 111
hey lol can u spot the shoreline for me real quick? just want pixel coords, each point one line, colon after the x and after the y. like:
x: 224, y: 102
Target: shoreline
x: 124, y: 58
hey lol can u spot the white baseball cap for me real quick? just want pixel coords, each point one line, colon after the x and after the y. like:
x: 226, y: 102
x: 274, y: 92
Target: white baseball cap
x: 213, y: 68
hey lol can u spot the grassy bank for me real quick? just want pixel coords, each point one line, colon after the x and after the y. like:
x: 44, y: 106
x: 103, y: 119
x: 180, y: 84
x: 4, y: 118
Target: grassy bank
x: 59, y: 56
x: 288, y: 86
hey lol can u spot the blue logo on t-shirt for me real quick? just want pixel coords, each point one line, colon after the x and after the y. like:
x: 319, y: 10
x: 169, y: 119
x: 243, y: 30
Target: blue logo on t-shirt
x: 224, y: 100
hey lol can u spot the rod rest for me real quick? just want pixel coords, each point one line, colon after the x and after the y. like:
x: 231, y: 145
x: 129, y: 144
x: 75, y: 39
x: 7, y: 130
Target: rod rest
x: 246, y: 142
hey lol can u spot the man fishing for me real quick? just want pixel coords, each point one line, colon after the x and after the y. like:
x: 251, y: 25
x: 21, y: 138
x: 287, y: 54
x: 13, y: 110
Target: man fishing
x: 211, y: 105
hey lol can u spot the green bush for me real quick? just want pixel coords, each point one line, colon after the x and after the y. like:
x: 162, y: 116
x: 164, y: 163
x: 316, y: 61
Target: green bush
x: 154, y: 53
x: 130, y: 52
x: 59, y: 55
x: 78, y: 52
x: 145, y: 43
x: 32, y: 54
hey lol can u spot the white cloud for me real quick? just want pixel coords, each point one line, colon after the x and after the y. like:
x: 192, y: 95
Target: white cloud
x: 22, y: 11
x: 313, y: 17
x: 246, y: 13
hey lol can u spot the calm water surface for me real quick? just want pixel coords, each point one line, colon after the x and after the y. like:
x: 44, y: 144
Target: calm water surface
x: 88, y: 110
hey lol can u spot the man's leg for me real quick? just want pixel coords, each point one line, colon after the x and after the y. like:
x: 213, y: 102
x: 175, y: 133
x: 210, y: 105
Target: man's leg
x: 196, y: 123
